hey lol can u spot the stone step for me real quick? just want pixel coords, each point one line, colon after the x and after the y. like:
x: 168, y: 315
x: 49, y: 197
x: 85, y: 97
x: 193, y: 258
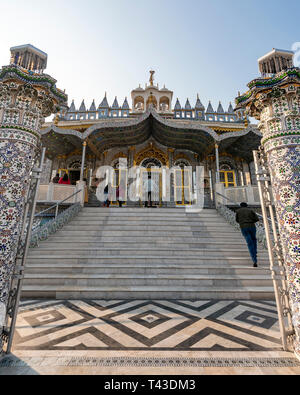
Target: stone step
x: 103, y: 231
x: 147, y: 260
x: 217, y: 227
x: 142, y: 280
x: 147, y: 292
x: 155, y: 251
x: 117, y: 268
x: 217, y: 230
x: 167, y: 210
x: 138, y: 242
x: 144, y: 218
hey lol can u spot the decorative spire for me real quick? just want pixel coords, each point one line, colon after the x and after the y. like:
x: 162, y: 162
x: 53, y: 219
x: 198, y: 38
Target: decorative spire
x: 177, y: 105
x: 199, y: 105
x: 82, y: 108
x: 115, y: 104
x: 104, y: 103
x: 93, y: 106
x: 220, y: 109
x: 125, y: 104
x: 230, y: 109
x: 72, y: 108
x: 188, y: 105
x: 210, y: 108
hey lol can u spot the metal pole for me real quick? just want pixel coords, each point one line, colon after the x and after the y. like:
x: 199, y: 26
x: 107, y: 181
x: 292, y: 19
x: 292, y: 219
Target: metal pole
x: 217, y: 163
x: 260, y: 179
x: 83, y: 161
x: 211, y: 186
x: 23, y: 263
x: 277, y: 244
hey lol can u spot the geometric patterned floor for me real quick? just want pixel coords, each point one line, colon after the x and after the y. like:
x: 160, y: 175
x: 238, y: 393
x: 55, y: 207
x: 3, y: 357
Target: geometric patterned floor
x: 148, y: 337
x: 148, y: 325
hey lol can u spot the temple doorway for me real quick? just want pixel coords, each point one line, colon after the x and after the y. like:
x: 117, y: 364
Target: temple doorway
x: 74, y: 176
x: 151, y: 182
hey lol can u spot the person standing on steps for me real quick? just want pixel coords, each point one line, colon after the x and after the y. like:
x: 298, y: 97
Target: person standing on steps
x: 56, y: 179
x: 106, y: 197
x: 247, y: 219
x: 119, y: 194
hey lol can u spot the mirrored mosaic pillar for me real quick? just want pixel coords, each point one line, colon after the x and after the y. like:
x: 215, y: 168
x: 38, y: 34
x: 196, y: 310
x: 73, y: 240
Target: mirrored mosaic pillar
x: 275, y: 102
x: 26, y: 98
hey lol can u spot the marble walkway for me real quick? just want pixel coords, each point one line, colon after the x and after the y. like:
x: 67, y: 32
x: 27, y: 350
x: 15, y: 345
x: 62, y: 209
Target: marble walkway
x: 142, y: 337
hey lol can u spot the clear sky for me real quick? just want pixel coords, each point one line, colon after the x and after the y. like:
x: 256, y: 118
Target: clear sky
x: 208, y: 47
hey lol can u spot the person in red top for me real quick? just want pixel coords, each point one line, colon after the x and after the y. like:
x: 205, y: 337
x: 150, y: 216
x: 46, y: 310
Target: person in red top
x: 65, y: 180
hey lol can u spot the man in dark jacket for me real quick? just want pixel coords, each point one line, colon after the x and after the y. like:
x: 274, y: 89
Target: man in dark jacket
x: 247, y: 219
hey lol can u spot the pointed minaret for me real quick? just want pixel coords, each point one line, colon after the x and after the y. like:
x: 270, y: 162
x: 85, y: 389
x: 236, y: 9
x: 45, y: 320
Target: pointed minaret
x: 93, y: 106
x: 199, y: 109
x: 104, y: 103
x: 125, y: 108
x: 82, y: 108
x: 125, y: 105
x: 177, y: 109
x: 187, y: 105
x: 199, y: 105
x: 115, y: 105
x: 220, y: 109
x: 177, y: 105
x: 230, y: 109
x: 103, y: 109
x: 210, y: 109
x: 72, y: 107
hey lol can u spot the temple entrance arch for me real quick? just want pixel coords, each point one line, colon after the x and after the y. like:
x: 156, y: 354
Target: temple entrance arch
x: 151, y: 152
x: 151, y: 161
x: 119, y: 178
x: 183, y: 182
x: 74, y: 171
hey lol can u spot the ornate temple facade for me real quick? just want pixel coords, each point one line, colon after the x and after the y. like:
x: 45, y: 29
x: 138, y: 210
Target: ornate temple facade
x: 149, y: 132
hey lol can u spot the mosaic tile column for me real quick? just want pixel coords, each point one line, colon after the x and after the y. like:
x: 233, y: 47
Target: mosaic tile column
x: 275, y: 102
x: 25, y: 100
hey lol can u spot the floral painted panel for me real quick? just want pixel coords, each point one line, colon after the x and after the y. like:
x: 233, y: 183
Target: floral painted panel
x: 16, y: 161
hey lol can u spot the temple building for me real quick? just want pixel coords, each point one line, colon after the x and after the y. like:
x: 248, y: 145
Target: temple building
x: 152, y: 132
x: 177, y: 151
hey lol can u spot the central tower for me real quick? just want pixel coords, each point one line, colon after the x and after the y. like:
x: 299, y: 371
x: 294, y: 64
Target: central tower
x: 160, y: 99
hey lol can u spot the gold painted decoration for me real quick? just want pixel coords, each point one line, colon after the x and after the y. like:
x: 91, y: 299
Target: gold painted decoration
x: 151, y: 152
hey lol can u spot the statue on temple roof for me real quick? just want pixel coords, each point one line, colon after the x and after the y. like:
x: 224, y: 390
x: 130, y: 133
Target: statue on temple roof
x: 152, y: 72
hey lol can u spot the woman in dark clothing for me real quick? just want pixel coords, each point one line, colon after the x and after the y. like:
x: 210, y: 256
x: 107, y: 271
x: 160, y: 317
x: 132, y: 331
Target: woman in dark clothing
x: 65, y: 180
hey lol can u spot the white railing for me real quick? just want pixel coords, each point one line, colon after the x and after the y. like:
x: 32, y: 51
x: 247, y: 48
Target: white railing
x: 236, y: 195
x: 54, y: 193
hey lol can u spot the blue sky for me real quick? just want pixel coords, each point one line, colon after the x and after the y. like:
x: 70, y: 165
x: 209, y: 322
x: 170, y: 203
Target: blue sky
x: 208, y: 47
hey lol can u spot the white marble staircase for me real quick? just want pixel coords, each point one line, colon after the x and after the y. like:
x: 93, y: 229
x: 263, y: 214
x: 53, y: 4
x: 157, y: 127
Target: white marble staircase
x: 139, y: 253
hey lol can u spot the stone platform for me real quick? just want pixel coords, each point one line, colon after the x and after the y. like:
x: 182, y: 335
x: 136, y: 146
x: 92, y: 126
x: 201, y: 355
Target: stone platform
x: 151, y: 337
